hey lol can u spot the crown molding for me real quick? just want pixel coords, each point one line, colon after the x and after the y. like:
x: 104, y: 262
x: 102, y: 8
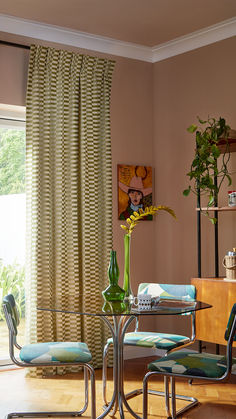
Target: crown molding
x: 74, y: 38
x: 194, y: 40
x: 64, y: 36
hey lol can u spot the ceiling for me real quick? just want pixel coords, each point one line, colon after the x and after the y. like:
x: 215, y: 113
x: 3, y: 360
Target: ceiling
x: 145, y: 22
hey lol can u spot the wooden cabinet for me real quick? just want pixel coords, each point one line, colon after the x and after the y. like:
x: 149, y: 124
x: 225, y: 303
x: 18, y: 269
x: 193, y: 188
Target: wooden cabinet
x: 211, y: 323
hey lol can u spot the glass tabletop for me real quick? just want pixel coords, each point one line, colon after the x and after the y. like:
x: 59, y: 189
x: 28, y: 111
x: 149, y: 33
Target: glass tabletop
x: 98, y: 307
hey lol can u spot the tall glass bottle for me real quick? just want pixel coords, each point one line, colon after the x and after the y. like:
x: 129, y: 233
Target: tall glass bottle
x: 113, y: 292
x: 127, y: 280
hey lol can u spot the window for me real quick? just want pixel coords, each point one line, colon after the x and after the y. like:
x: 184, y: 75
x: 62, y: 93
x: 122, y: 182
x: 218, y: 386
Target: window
x: 12, y: 215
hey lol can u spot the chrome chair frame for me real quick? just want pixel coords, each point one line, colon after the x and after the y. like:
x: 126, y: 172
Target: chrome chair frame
x: 139, y: 391
x: 12, y: 328
x: 171, y: 377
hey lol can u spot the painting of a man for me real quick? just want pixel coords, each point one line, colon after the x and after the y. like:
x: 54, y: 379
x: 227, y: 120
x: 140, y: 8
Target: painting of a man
x: 134, y: 189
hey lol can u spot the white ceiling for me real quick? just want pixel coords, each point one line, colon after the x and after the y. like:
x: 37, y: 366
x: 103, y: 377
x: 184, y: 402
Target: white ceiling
x: 145, y: 22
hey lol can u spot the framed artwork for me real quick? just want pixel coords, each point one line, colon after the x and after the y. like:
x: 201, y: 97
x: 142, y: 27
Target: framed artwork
x: 134, y: 189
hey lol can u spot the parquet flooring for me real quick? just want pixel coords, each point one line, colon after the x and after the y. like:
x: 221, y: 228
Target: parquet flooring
x: 217, y: 401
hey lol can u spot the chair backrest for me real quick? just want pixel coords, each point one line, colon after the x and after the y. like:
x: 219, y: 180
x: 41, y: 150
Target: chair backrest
x: 11, y: 313
x: 231, y: 326
x: 186, y: 292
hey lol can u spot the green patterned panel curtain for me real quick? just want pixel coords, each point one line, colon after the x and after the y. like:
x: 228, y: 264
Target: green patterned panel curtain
x: 69, y: 192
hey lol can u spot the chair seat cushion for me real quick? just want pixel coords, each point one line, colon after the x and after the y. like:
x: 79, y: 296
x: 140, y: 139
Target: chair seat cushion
x: 154, y: 340
x: 192, y: 364
x: 186, y: 292
x: 40, y: 353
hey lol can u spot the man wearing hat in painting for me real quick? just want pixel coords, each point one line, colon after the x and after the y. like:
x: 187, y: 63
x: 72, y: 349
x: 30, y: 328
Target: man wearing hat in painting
x: 136, y: 191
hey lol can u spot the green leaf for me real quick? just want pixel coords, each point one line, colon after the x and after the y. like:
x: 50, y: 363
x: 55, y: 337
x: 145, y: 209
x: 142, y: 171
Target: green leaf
x: 192, y: 175
x: 195, y: 162
x: 201, y: 121
x: 211, y: 201
x: 215, y: 151
x: 187, y: 191
x: 192, y: 128
x: 213, y: 220
x: 211, y: 159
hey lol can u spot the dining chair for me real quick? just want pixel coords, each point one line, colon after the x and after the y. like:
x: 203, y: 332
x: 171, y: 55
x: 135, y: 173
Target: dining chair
x: 189, y: 365
x: 48, y: 354
x: 165, y: 341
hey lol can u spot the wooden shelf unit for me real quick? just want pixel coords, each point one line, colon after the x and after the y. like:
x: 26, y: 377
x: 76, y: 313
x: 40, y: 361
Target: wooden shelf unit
x: 231, y: 142
x: 217, y: 209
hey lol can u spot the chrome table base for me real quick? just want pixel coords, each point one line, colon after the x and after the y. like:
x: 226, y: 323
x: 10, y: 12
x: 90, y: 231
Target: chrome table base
x: 119, y: 399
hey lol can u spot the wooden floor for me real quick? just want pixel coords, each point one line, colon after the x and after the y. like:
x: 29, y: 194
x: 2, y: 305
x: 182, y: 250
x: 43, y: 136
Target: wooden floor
x: 217, y: 401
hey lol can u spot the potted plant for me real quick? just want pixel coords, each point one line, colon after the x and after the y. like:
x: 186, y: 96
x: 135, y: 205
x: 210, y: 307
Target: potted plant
x: 206, y: 176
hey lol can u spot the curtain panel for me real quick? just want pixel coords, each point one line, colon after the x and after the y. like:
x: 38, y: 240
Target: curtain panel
x: 69, y: 193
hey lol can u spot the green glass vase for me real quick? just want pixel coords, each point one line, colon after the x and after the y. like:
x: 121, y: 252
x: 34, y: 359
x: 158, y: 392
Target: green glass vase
x: 116, y: 307
x: 129, y: 296
x: 113, y: 292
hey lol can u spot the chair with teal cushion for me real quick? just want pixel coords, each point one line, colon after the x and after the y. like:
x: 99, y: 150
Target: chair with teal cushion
x: 48, y: 354
x: 190, y: 365
x: 165, y: 341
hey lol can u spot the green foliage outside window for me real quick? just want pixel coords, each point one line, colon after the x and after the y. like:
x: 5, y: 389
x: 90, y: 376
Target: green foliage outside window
x: 12, y: 279
x: 12, y: 181
x: 12, y: 161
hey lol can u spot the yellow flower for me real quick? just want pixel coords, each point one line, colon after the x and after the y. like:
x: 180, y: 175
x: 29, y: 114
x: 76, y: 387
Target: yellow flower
x: 138, y: 216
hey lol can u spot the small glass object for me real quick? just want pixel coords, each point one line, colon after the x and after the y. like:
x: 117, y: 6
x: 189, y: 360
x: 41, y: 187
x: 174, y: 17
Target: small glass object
x: 232, y: 198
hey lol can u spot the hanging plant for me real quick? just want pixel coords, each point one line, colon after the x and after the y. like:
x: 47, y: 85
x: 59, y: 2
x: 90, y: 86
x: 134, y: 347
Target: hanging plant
x: 204, y: 168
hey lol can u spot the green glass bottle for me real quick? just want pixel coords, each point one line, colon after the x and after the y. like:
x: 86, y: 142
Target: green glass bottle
x: 113, y: 292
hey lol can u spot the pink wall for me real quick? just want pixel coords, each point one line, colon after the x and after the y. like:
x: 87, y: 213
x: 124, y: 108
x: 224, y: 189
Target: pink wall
x: 132, y: 130
x: 13, y: 71
x: 197, y: 83
x: 201, y: 82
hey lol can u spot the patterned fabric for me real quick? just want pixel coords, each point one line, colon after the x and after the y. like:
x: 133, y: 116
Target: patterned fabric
x: 154, y: 340
x: 188, y: 363
x: 69, y: 193
x: 187, y: 292
x: 55, y: 352
x: 230, y: 323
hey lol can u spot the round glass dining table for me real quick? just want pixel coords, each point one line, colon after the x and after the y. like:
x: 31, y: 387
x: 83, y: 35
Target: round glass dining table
x: 118, y: 316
